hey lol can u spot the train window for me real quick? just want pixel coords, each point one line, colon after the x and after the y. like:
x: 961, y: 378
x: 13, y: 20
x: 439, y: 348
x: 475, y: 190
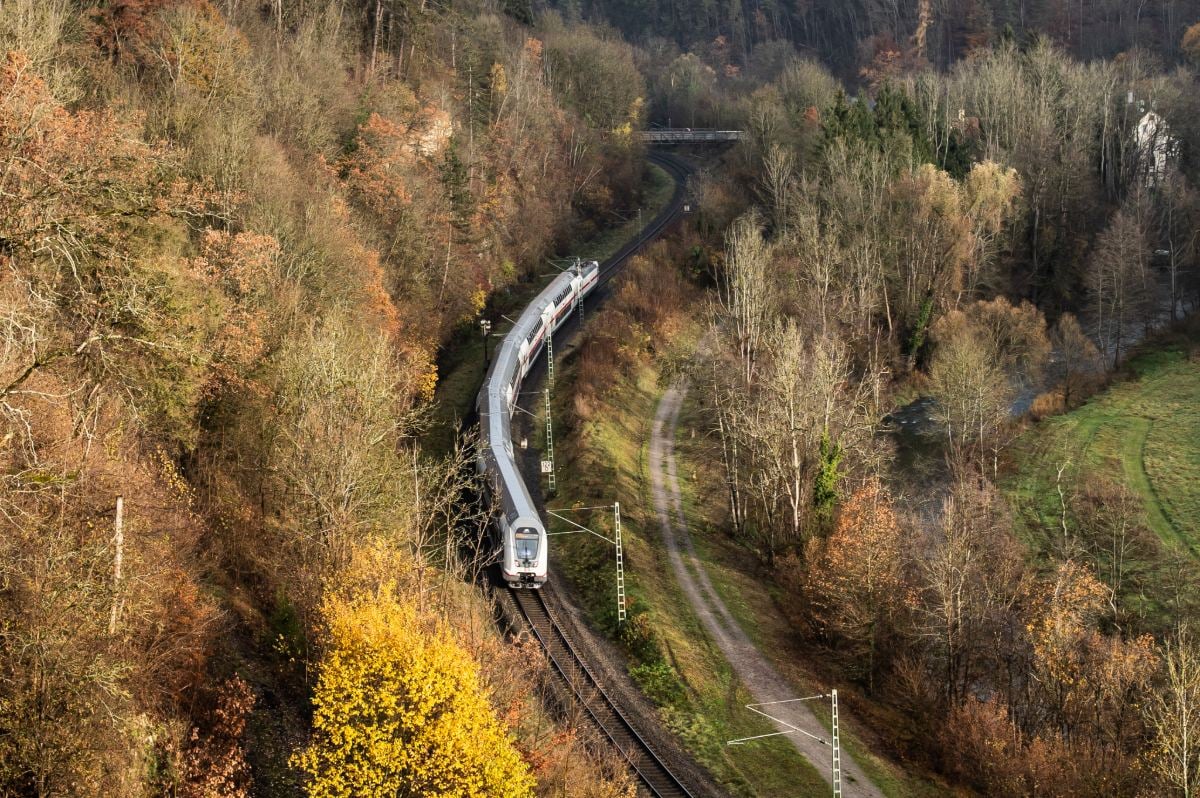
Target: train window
x: 525, y: 546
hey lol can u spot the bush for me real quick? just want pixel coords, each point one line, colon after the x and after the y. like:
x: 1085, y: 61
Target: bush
x: 1047, y: 404
x: 659, y: 682
x: 637, y: 635
x: 400, y: 710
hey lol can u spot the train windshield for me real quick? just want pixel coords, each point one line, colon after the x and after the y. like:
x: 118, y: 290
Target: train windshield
x: 525, y: 547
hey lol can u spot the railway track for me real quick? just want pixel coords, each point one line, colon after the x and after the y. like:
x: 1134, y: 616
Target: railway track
x: 564, y: 656
x: 679, y: 171
x: 588, y: 693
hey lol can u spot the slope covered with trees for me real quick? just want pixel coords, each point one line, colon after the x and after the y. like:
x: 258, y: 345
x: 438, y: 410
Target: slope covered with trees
x: 861, y: 33
x: 989, y: 236
x: 234, y: 237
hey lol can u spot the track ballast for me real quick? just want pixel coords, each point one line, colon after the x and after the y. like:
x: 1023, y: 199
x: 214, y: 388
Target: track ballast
x: 563, y: 655
x: 587, y: 692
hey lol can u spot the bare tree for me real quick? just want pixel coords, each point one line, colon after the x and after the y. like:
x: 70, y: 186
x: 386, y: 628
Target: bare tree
x: 1079, y: 362
x: 1179, y: 222
x: 745, y: 289
x: 1118, y: 281
x: 779, y: 184
x: 1173, y: 715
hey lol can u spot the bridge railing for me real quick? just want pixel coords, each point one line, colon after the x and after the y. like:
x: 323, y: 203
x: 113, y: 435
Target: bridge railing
x: 664, y: 135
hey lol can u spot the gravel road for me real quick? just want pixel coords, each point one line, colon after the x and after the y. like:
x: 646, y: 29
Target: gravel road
x: 759, y: 676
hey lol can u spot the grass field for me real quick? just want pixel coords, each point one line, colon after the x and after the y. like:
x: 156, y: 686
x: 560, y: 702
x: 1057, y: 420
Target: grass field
x: 1143, y: 432
x: 461, y: 367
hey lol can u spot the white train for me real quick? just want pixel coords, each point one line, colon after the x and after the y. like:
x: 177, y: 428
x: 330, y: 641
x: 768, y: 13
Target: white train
x: 518, y: 526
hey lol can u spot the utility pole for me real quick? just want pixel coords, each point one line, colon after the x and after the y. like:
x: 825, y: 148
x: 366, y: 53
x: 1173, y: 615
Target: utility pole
x: 548, y: 463
x: 579, y: 299
x: 118, y: 558
x: 614, y: 541
x: 620, y: 563
x: 837, y: 750
x: 550, y: 355
x: 486, y: 326
x: 790, y: 729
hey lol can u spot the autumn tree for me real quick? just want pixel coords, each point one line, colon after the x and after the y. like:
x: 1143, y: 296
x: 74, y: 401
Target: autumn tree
x: 1191, y: 43
x: 399, y: 710
x: 984, y: 354
x: 944, y: 234
x: 1173, y: 715
x: 1086, y: 681
x: 329, y: 447
x: 128, y: 29
x: 991, y: 194
x: 974, y: 392
x: 595, y: 77
x: 43, y: 30
x: 94, y: 218
x: 855, y: 578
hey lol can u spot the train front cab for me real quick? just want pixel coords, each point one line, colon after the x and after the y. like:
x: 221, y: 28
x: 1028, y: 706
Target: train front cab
x: 524, y: 563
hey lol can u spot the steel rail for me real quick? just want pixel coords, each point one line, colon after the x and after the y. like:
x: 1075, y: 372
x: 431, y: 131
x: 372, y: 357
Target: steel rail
x: 679, y: 171
x: 560, y: 650
x: 605, y: 713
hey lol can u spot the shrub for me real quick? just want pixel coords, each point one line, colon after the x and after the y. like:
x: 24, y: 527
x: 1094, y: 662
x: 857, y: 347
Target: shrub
x: 659, y: 682
x: 400, y: 711
x: 1047, y: 404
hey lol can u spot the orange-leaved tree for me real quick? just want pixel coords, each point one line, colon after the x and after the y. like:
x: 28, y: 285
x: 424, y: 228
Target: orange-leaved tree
x: 855, y: 576
x: 400, y: 711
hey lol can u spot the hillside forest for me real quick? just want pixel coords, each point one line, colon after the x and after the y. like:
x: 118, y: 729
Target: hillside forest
x: 242, y: 242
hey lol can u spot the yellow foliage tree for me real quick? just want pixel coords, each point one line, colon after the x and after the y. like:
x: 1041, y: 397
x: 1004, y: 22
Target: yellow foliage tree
x: 1191, y: 43
x: 400, y: 712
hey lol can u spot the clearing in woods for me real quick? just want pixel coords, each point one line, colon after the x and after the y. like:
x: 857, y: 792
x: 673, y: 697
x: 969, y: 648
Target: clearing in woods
x: 1143, y: 432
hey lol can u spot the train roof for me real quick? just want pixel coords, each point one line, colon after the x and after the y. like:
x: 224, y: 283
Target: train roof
x: 495, y: 415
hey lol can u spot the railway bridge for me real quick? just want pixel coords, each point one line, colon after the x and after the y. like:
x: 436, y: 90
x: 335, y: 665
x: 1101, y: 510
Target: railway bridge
x: 687, y: 135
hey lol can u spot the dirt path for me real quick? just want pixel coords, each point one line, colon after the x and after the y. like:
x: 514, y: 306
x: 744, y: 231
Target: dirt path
x: 759, y: 676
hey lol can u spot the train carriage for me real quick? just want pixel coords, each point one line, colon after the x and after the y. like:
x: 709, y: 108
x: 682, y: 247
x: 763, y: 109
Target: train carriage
x: 518, y: 527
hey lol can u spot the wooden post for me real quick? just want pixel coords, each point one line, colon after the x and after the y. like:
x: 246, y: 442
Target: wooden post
x: 119, y: 544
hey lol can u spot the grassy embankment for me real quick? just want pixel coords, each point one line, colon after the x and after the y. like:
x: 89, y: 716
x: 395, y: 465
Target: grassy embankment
x: 461, y: 368
x: 1142, y: 432
x: 604, y: 459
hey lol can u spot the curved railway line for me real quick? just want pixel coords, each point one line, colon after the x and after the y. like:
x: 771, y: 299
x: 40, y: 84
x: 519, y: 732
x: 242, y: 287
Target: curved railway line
x: 679, y: 172
x: 590, y: 695
x: 564, y: 656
